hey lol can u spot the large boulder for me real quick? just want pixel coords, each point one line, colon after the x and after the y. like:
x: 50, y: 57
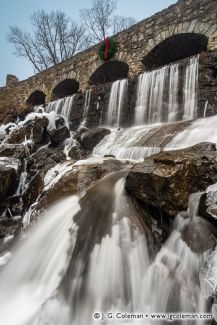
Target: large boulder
x: 167, y: 179
x: 57, y: 136
x: 9, y: 176
x: 45, y: 158
x: 71, y: 178
x: 92, y: 137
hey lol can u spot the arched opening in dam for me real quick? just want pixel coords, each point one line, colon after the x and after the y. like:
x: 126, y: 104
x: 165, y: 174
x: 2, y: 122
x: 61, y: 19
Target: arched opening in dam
x: 175, y: 48
x: 36, y: 98
x: 109, y: 72
x: 65, y: 88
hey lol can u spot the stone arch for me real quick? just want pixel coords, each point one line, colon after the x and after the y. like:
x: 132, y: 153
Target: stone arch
x: 109, y: 71
x: 36, y: 98
x: 175, y: 48
x: 66, y: 87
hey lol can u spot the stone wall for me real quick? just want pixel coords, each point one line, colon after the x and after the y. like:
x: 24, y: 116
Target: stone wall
x: 208, y: 83
x: 186, y: 16
x: 97, y: 114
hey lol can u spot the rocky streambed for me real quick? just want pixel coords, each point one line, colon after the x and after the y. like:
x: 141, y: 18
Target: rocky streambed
x: 42, y: 162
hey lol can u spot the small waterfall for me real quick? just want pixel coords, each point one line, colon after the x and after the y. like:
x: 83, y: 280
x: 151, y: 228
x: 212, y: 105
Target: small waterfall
x: 190, y: 89
x: 126, y: 144
x: 205, y: 109
x: 142, y: 141
x: 200, y: 130
x: 62, y: 107
x: 23, y: 177
x: 117, y: 100
x: 86, y: 107
x: 149, y: 106
x: 91, y: 257
x: 173, y: 93
x: 158, y: 94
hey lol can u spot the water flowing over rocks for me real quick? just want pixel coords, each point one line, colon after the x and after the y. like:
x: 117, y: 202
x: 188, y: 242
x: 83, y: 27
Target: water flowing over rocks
x: 167, y: 179
x: 69, y: 178
x: 108, y: 195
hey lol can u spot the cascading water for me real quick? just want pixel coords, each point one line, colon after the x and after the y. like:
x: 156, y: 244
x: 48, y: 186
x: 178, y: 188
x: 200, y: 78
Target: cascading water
x: 117, y: 100
x: 149, y: 106
x: 158, y: 94
x: 93, y: 253
x: 190, y: 90
x: 126, y: 144
x: 62, y: 107
x: 86, y: 106
x: 23, y: 177
x: 93, y: 258
x: 37, y: 275
x: 143, y: 141
x: 173, y: 106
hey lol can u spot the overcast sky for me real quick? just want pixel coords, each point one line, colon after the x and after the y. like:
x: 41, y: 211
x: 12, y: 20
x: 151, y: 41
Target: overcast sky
x: 18, y: 12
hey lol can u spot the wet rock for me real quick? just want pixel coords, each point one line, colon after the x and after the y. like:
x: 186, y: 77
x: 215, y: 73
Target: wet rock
x: 57, y: 136
x: 69, y: 178
x: 75, y: 153
x: 46, y: 158
x: 14, y: 115
x: 199, y: 235
x: 92, y: 137
x: 109, y: 156
x: 11, y: 207
x: 9, y: 176
x: 12, y: 150
x: 9, y: 227
x: 167, y: 179
x: 59, y: 121
x: 31, y: 129
x: 35, y: 187
x: 210, y: 201
x: 37, y: 133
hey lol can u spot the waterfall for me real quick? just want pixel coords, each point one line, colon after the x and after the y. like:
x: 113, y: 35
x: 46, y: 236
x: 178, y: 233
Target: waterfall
x: 173, y: 93
x: 37, y: 265
x: 126, y: 144
x: 158, y: 94
x: 117, y: 99
x: 86, y: 106
x: 142, y: 141
x: 149, y: 106
x: 23, y: 178
x: 51, y: 287
x: 201, y: 130
x: 190, y: 89
x: 93, y: 258
x: 62, y: 107
x: 205, y: 108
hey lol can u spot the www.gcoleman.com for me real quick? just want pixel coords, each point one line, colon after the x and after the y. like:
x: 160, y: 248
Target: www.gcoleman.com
x: 155, y: 316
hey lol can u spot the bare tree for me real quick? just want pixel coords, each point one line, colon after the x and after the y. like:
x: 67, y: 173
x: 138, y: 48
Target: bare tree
x: 120, y: 23
x: 55, y: 37
x: 101, y: 22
